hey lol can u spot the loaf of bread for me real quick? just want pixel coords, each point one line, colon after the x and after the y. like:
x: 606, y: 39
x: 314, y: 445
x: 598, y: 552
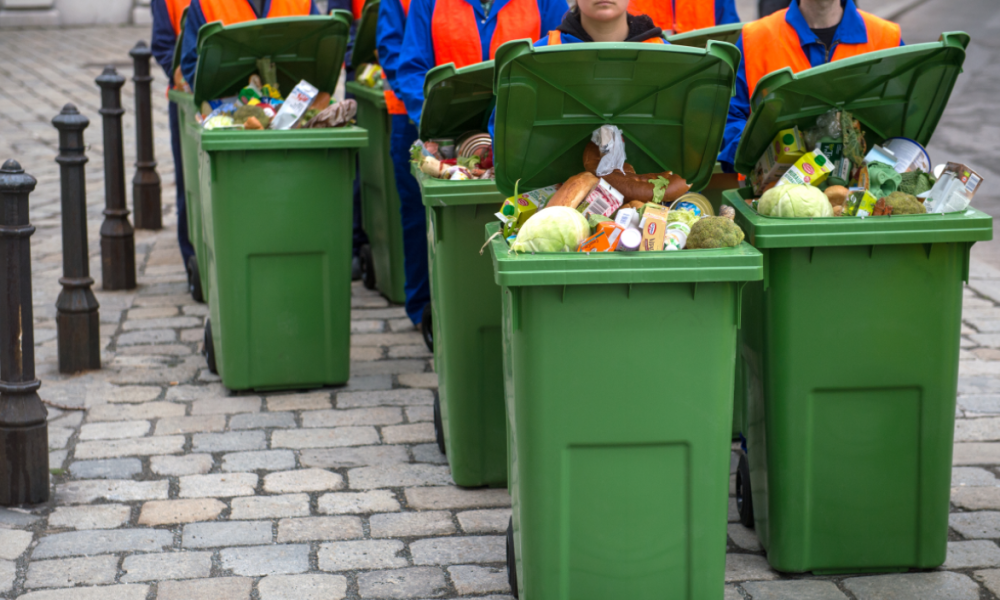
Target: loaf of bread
x: 573, y: 192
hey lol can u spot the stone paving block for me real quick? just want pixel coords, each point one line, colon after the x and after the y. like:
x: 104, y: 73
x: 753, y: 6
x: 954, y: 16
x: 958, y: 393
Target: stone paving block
x: 411, y: 524
x: 731, y: 593
x: 102, y: 592
x: 380, y: 415
x: 263, y: 420
x: 167, y: 444
x: 263, y: 460
x: 484, y: 521
x: 281, y: 559
x: 362, y: 326
x: 302, y: 480
x: 398, y: 475
x: 386, y: 339
x: 976, y: 498
x: 132, y: 393
x: 169, y: 512
x: 229, y: 442
x: 734, y: 515
x: 984, y: 429
x: 914, y: 586
x: 744, y: 537
x: 198, y: 424
x: 388, y: 367
x: 319, y: 529
x: 68, y: 572
x: 8, y: 572
x: 59, y: 437
x: 368, y: 383
x: 408, y: 434
x: 76, y: 543
x: 218, y: 485
x: 366, y: 353
x: 189, y: 464
x: 11, y: 518
x: 115, y: 490
x: 311, y: 401
x: 357, y: 503
x: 13, y: 543
x: 407, y: 397
x: 147, y: 336
x: 414, y: 351
x: 156, y: 312
x: 217, y: 588
x: 450, y: 497
x: 419, y: 380
x: 984, y: 404
x: 792, y: 590
x: 302, y: 587
x: 115, y: 468
x: 972, y: 476
x: 416, y: 582
x: 324, y: 438
x: 990, y: 578
x: 189, y: 393
x: 269, y: 507
x: 429, y: 453
x: 57, y: 458
x: 746, y: 567
x: 135, y: 412
x: 458, y: 550
x: 113, y: 430
x: 223, y: 533
x: 976, y: 525
x: 473, y: 579
x: 355, y: 456
x: 169, y: 565
x: 225, y: 406
x: 975, y: 554
x: 363, y: 554
x: 418, y: 414
x: 100, y: 516
x: 164, y: 323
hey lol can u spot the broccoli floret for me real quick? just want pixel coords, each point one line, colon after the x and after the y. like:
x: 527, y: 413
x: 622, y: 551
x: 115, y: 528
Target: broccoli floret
x: 904, y: 204
x: 714, y: 232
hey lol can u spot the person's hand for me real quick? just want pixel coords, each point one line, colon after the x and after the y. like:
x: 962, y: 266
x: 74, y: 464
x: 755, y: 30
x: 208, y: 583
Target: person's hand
x: 179, y: 82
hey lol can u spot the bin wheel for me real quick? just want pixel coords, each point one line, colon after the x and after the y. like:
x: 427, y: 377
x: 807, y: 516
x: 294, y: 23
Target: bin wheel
x: 194, y: 279
x: 511, y: 560
x: 438, y: 426
x: 744, y: 495
x: 209, y: 350
x: 427, y: 328
x: 367, y: 266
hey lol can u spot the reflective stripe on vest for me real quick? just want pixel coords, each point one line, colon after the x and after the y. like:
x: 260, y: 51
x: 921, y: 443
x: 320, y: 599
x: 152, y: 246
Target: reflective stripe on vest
x: 677, y: 15
x: 456, y: 34
x: 771, y: 44
x: 175, y: 8
x: 231, y: 12
x: 555, y: 39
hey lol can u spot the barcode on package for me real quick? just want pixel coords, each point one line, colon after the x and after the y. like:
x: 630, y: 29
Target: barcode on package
x: 598, y: 206
x: 972, y: 184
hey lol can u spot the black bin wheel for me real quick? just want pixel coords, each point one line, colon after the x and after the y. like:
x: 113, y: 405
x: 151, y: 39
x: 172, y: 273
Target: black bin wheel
x: 427, y: 328
x: 194, y: 279
x: 209, y: 350
x: 744, y: 495
x: 511, y: 561
x: 438, y: 426
x: 367, y: 266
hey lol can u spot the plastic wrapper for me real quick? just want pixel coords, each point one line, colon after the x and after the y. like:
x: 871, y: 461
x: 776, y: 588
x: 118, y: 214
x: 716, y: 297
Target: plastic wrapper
x: 608, y: 139
x: 335, y: 115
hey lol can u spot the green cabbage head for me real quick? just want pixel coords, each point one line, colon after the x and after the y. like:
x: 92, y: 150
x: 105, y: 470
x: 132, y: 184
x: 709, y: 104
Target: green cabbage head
x: 793, y: 200
x: 552, y: 229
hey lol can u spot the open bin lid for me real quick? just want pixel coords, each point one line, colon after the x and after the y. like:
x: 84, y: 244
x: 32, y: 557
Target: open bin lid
x: 670, y: 102
x: 457, y: 100
x: 900, y: 92
x: 176, y: 61
x: 699, y: 38
x: 310, y: 48
x: 365, y: 40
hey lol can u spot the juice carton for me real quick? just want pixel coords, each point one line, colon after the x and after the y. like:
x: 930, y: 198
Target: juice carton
x: 517, y: 209
x: 604, y: 240
x: 811, y: 169
x: 788, y: 146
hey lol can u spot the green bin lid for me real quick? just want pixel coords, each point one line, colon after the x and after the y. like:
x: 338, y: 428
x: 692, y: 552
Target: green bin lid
x: 309, y: 48
x: 176, y: 62
x: 670, y: 102
x: 900, y: 92
x: 699, y: 38
x: 457, y: 100
x: 365, y: 41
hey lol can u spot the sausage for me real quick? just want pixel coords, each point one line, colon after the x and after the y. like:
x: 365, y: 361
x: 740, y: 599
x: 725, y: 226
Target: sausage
x: 634, y: 186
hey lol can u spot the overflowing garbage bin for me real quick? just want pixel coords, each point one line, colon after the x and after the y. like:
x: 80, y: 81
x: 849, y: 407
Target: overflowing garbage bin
x: 277, y: 208
x: 617, y: 366
x: 465, y: 303
x: 849, y: 346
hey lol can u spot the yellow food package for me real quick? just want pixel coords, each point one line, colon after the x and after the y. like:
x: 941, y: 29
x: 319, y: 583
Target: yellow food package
x: 788, y: 146
x: 811, y: 169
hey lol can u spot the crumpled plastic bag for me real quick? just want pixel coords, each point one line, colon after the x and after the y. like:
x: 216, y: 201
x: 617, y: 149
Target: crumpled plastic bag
x: 335, y: 115
x: 608, y: 139
x: 882, y: 179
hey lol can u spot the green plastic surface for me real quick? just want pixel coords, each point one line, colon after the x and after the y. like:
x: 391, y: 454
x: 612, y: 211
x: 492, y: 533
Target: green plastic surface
x: 619, y: 470
x: 176, y: 61
x: 896, y: 92
x: 364, y: 36
x: 699, y: 38
x: 310, y: 48
x: 457, y: 101
x: 670, y: 101
x: 380, y: 214
x: 190, y: 132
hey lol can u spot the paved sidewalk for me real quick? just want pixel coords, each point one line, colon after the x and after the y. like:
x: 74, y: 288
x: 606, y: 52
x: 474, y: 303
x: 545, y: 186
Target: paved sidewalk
x: 171, y: 488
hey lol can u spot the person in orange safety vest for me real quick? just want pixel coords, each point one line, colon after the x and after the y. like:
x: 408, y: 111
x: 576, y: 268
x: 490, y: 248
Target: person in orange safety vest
x: 679, y: 16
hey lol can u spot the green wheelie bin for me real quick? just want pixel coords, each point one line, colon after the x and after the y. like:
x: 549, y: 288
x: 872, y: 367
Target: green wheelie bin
x: 382, y: 257
x: 618, y: 367
x: 469, y: 415
x: 277, y: 213
x: 850, y: 344
x: 699, y: 38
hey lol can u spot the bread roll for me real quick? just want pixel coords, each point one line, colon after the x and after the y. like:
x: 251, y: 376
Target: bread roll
x: 573, y: 192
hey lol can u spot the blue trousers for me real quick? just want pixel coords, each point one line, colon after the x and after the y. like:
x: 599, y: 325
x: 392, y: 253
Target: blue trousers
x: 187, y: 250
x: 411, y: 209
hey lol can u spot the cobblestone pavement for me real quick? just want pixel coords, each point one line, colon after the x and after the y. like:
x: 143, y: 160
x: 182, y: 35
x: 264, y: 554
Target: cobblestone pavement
x: 169, y: 487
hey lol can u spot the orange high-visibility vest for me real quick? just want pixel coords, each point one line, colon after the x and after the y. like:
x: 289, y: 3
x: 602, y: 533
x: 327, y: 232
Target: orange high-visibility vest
x: 175, y: 8
x: 771, y: 44
x: 456, y: 34
x: 239, y: 11
x: 357, y: 7
x: 676, y: 15
x: 393, y: 104
x: 555, y: 39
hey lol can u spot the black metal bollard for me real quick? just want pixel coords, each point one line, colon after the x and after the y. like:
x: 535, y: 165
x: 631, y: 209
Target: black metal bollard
x: 146, y: 183
x: 77, y: 320
x: 117, y: 235
x: 24, y: 434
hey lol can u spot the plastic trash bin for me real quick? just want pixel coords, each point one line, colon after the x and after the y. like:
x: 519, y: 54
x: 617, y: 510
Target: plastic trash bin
x: 382, y: 259
x: 849, y: 346
x: 699, y: 38
x: 465, y: 304
x: 190, y: 132
x: 277, y: 213
x: 617, y: 367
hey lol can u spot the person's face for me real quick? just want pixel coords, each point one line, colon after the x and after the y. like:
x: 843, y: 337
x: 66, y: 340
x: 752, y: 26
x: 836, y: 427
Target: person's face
x: 602, y: 10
